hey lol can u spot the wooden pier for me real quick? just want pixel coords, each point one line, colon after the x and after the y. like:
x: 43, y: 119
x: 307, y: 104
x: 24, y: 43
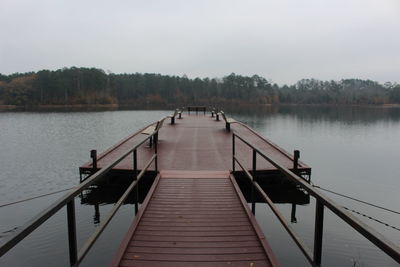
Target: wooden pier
x: 196, y: 143
x: 195, y: 213
x: 194, y: 218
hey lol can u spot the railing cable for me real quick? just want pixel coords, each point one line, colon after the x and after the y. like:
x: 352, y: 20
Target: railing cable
x: 32, y: 198
x: 372, y: 218
x: 355, y: 199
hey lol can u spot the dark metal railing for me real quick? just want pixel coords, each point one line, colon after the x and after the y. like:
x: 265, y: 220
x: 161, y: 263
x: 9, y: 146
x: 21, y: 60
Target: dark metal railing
x: 68, y: 200
x: 321, y: 201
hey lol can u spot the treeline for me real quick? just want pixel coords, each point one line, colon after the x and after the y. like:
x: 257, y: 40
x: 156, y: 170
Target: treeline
x: 90, y: 86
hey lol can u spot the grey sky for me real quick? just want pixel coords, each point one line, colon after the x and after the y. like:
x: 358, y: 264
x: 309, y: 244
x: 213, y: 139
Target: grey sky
x: 282, y: 40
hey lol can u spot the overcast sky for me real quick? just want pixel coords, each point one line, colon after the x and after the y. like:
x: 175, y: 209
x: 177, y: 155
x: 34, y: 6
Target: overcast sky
x: 282, y: 40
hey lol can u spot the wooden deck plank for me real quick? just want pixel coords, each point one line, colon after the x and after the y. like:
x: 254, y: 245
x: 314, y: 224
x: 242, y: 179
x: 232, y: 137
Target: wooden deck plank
x: 192, y: 251
x: 193, y: 220
x: 199, y: 239
x: 194, y: 233
x: 198, y: 232
x: 174, y: 228
x: 194, y: 216
x: 194, y: 257
x: 193, y: 244
x: 127, y: 263
x: 196, y: 224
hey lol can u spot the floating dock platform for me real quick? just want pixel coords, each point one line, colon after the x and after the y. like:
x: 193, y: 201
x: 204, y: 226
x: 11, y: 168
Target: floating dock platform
x: 197, y: 143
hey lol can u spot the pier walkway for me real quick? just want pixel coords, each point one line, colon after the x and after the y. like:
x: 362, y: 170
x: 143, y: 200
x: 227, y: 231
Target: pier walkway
x: 194, y: 218
x: 195, y: 213
x: 196, y: 142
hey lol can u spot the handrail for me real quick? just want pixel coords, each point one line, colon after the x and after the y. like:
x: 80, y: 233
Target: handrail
x: 372, y: 235
x: 90, y: 242
x: 68, y: 200
x: 304, y: 249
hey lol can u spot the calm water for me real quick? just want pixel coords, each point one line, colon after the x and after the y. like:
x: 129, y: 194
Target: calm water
x: 354, y: 151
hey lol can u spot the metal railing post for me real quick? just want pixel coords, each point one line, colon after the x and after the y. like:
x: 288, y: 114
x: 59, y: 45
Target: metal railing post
x: 293, y: 214
x: 155, y: 152
x: 296, y: 156
x: 73, y: 249
x: 253, y: 203
x: 136, y: 194
x: 319, y: 222
x: 93, y: 155
x: 233, y: 152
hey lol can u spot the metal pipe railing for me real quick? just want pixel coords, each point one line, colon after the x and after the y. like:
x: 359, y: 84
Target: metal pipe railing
x: 68, y: 200
x: 321, y: 201
x: 277, y: 213
x: 90, y: 242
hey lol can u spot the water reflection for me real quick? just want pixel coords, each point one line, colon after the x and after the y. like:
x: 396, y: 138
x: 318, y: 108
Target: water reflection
x: 111, y: 188
x: 279, y: 193
x: 348, y: 115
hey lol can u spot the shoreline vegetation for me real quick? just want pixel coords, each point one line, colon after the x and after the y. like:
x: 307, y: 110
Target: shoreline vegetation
x: 93, y: 89
x: 111, y: 107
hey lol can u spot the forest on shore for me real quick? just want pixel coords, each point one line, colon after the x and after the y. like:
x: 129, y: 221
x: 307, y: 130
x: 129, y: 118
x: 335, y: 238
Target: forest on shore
x: 91, y: 86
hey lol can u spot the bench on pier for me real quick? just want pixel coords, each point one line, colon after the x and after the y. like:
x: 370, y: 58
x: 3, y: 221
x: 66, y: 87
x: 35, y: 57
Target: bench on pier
x: 151, y: 129
x: 213, y: 112
x: 197, y: 109
x: 173, y: 115
x: 228, y: 121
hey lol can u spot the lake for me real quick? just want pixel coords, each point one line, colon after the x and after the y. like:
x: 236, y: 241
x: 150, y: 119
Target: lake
x: 352, y: 150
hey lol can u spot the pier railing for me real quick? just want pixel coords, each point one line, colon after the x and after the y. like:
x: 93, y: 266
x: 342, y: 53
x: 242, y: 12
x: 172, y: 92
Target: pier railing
x: 69, y: 201
x: 321, y: 201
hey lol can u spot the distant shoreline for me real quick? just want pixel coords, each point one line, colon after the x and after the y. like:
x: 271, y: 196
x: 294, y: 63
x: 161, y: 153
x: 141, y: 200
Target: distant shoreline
x: 58, y: 107
x: 109, y: 107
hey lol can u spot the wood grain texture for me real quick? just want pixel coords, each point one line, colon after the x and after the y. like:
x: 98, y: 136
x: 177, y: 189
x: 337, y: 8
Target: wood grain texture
x: 198, y: 222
